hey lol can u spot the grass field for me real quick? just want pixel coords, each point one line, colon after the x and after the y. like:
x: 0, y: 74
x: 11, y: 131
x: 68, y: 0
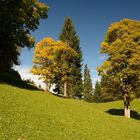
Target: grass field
x: 36, y: 115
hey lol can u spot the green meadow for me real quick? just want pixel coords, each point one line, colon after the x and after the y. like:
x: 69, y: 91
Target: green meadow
x: 36, y: 115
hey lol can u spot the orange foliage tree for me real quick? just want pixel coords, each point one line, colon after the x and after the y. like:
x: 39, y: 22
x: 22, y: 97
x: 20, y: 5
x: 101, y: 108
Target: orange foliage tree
x: 52, y: 59
x: 122, y: 45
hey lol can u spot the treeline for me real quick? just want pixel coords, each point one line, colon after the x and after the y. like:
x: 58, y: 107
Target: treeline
x: 120, y: 72
x: 106, y: 91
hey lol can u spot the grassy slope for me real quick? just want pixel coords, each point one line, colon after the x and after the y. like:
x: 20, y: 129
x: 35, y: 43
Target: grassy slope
x: 35, y: 115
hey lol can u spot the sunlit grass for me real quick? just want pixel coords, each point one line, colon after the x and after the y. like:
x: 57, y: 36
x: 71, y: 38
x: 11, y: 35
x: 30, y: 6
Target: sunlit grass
x: 36, y: 115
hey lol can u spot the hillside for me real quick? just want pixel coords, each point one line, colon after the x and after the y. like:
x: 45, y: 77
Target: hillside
x: 36, y: 115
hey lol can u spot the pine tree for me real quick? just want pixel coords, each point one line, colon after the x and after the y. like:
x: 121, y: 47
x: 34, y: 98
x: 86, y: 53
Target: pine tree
x: 88, y: 89
x: 97, y: 92
x: 69, y: 35
x: 109, y: 90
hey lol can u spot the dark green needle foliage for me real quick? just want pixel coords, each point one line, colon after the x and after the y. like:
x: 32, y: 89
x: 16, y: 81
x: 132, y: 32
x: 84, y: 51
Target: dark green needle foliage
x: 70, y: 36
x: 97, y: 92
x: 88, y: 89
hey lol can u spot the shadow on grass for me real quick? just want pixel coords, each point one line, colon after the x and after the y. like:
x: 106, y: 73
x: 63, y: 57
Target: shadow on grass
x: 60, y: 95
x: 13, y: 78
x: 120, y: 112
x: 68, y: 97
x: 20, y: 84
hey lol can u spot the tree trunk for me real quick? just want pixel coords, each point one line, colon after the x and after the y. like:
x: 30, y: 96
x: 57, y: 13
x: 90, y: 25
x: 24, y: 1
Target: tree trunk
x: 46, y: 87
x: 127, y: 112
x: 127, y: 106
x: 65, y: 89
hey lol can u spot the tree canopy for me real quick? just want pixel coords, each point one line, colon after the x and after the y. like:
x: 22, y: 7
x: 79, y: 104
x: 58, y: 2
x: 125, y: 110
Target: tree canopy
x: 122, y: 45
x: 52, y: 59
x: 17, y: 20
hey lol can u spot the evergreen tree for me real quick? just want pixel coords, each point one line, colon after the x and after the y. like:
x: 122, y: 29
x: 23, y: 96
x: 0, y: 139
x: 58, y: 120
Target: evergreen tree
x: 88, y: 89
x: 97, y: 92
x: 69, y: 35
x: 109, y: 90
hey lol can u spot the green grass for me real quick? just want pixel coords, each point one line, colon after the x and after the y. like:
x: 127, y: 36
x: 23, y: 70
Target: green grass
x: 36, y: 115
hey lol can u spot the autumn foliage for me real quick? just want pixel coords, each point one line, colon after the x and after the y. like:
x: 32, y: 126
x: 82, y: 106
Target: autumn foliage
x: 54, y: 59
x: 122, y: 46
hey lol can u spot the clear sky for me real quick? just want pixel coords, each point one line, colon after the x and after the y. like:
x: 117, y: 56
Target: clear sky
x: 91, y: 19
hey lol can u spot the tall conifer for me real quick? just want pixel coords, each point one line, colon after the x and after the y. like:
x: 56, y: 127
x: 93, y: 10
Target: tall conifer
x: 88, y: 89
x: 97, y: 92
x: 69, y: 35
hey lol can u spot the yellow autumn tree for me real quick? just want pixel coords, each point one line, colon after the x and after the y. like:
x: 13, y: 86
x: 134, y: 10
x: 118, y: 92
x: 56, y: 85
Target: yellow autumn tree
x: 122, y: 45
x: 52, y: 59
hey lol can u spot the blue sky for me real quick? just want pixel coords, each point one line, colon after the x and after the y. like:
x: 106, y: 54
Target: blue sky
x: 91, y: 19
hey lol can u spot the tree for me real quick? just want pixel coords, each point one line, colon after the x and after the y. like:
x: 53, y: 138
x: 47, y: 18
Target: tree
x: 138, y: 92
x: 17, y: 20
x: 97, y: 92
x: 52, y: 59
x: 42, y: 62
x: 109, y: 90
x: 69, y: 35
x: 122, y: 45
x: 88, y: 89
